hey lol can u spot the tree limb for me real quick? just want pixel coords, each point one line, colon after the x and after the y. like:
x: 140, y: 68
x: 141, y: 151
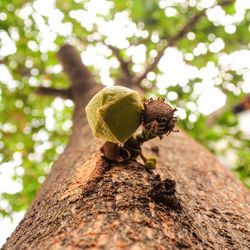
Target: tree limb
x: 123, y: 63
x: 81, y: 79
x: 73, y: 66
x: 174, y: 39
x: 126, y: 76
x: 50, y: 91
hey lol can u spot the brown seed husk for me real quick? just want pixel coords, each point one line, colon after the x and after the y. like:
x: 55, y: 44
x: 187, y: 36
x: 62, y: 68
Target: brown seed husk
x: 111, y: 151
x: 155, y: 109
x: 158, y: 117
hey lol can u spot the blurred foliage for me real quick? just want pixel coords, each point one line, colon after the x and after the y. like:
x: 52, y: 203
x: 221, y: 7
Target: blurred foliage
x: 34, y: 129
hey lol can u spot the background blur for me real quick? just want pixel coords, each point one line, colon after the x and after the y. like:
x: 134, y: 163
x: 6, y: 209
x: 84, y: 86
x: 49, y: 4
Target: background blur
x: 208, y: 70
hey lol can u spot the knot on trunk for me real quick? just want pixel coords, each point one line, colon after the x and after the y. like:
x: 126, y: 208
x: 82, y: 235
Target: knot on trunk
x: 163, y: 192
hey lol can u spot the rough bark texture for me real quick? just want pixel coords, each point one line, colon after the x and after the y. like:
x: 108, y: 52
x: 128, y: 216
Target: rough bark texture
x: 88, y: 203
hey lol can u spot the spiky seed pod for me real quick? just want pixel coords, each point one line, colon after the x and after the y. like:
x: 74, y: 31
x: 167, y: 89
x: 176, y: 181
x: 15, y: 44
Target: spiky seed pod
x: 158, y: 118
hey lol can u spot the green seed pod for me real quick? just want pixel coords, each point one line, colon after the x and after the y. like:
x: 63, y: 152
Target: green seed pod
x: 114, y: 113
x: 153, y: 159
x: 150, y: 164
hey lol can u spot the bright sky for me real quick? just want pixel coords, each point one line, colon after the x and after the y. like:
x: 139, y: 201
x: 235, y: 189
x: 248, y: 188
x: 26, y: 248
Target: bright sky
x: 173, y: 65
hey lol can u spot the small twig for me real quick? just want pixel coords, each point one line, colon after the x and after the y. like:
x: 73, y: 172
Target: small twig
x: 244, y: 105
x: 174, y: 39
x: 50, y: 91
x: 211, y: 118
x: 126, y: 77
x: 124, y: 64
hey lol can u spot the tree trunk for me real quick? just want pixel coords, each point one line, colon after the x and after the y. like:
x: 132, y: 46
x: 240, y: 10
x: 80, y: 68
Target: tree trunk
x: 88, y: 203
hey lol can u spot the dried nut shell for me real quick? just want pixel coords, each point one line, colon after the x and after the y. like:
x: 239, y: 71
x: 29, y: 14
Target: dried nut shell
x: 156, y: 109
x: 158, y: 118
x: 111, y: 151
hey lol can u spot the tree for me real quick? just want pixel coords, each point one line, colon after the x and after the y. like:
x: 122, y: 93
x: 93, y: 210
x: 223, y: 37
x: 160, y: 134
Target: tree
x: 89, y: 203
x: 119, y: 205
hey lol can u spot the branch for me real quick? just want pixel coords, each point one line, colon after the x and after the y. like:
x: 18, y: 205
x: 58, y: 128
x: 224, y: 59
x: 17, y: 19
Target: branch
x: 126, y: 76
x: 50, y: 91
x: 73, y: 66
x: 123, y: 63
x: 244, y: 105
x: 174, y: 39
x: 116, y: 52
x: 212, y: 118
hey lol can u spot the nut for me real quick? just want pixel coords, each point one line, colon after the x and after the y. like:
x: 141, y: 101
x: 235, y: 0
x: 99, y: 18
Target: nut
x: 114, y: 113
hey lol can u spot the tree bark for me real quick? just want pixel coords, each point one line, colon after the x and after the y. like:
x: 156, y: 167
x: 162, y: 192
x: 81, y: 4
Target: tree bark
x: 89, y: 203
